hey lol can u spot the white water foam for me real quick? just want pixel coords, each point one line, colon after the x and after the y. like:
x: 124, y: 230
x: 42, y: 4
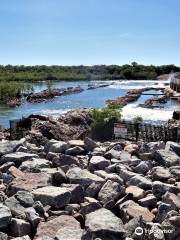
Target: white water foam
x: 138, y: 84
x: 132, y: 110
x: 54, y: 113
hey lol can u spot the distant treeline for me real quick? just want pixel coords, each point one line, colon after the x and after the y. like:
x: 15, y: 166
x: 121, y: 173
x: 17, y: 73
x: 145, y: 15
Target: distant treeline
x: 96, y: 72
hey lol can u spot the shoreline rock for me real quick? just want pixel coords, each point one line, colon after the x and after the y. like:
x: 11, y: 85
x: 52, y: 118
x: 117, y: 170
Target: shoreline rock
x: 105, y: 190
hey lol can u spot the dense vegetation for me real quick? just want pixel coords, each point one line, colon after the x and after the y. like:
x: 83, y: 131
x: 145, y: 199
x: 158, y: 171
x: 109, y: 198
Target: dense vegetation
x: 11, y: 90
x: 110, y: 113
x: 128, y: 71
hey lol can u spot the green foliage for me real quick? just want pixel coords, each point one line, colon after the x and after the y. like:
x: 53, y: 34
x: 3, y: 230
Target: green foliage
x: 137, y: 119
x: 96, y: 72
x: 11, y: 90
x: 49, y: 85
x: 1, y: 128
x: 105, y: 115
x: 114, y: 105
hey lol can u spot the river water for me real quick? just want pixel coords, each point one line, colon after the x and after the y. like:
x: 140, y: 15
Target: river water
x: 95, y: 98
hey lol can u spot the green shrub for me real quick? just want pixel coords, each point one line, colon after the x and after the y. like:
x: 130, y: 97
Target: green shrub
x: 111, y: 113
x: 137, y: 119
x: 11, y: 90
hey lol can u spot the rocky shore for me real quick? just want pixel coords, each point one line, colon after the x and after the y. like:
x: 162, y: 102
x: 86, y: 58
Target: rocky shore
x: 82, y: 189
x: 132, y: 96
x: 52, y: 93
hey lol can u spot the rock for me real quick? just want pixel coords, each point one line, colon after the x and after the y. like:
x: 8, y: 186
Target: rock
x: 174, y: 147
x: 160, y: 173
x: 172, y: 199
x: 34, y: 165
x: 109, y: 176
x: 125, y: 174
x: 58, y: 227
x: 19, y: 227
x: 166, y: 158
x: 75, y: 151
x: 17, y: 157
x: 58, y: 147
x: 93, y: 189
x: 98, y: 163
x: 25, y: 198
x: 112, y: 154
x: 57, y: 174
x: 32, y: 217
x: 142, y: 168
x: 15, y: 172
x: 83, y: 177
x: 56, y: 197
x: 175, y: 221
x: 149, y: 201
x: 3, y: 236
x: 175, y: 171
x: 4, y: 167
x: 10, y: 146
x: 77, y: 192
x: 110, y: 191
x: 5, y: 216
x: 90, y: 205
x: 153, y: 146
x: 64, y: 160
x: 29, y: 181
x: 163, y: 209
x: 15, y: 207
x: 156, y: 232
x: 69, y: 233
x: 141, y: 182
x: 72, y: 208
x: 136, y: 192
x: 103, y: 224
x: 26, y: 237
x: 160, y: 189
x: 131, y: 148
x: 78, y: 143
x: 89, y: 144
x: 133, y: 209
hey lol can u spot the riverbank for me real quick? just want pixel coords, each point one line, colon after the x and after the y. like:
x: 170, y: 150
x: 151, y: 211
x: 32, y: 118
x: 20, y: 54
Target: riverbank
x: 97, y: 72
x: 81, y: 189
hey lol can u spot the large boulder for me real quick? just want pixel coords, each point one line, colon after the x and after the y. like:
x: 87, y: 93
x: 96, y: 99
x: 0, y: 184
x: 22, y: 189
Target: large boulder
x: 5, y: 216
x: 160, y: 173
x: 98, y: 163
x: 19, y: 227
x: 174, y: 147
x: 132, y: 209
x: 56, y: 197
x: 166, y: 158
x: 160, y: 188
x: 110, y: 191
x: 29, y: 181
x: 16, y: 208
x: 77, y: 192
x: 103, y: 224
x: 141, y: 182
x: 10, y: 146
x: 90, y: 144
x: 64, y: 160
x: 34, y: 165
x: 83, y: 177
x: 17, y: 157
x: 61, y: 224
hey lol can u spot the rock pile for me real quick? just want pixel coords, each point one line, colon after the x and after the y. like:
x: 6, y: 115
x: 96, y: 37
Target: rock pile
x: 49, y: 94
x: 88, y: 190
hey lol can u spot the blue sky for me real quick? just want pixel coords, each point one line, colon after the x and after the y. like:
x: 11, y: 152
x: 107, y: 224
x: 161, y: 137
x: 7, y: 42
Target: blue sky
x: 74, y: 32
